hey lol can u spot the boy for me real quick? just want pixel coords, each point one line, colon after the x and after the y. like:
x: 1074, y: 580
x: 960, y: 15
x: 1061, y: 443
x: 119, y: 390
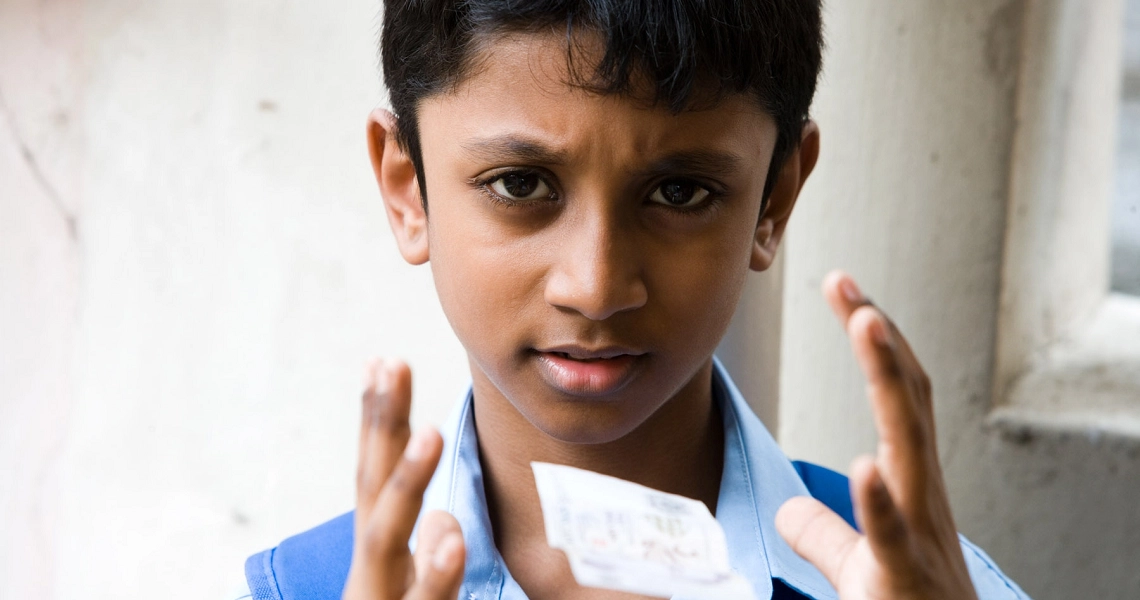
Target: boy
x: 592, y: 181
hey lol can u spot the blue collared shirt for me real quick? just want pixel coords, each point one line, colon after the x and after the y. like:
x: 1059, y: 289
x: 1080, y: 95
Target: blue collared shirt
x: 757, y: 479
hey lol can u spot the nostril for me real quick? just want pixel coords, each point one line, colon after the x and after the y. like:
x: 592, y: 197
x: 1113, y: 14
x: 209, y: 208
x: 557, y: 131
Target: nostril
x: 595, y: 287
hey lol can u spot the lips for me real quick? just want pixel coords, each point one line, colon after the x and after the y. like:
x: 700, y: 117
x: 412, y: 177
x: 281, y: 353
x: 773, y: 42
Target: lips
x: 589, y: 372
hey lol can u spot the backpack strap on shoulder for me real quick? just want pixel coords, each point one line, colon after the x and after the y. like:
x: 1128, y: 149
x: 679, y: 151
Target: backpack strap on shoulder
x: 828, y: 487
x: 309, y: 566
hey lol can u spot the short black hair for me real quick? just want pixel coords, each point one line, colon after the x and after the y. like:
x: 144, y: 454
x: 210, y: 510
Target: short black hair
x: 686, y: 49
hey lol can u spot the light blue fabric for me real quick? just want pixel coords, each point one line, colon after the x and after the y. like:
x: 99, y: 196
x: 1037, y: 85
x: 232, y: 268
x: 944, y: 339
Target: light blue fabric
x: 757, y: 479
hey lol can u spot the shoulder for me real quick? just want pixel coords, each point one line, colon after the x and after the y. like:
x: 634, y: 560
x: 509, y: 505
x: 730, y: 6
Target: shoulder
x: 312, y: 565
x: 989, y: 581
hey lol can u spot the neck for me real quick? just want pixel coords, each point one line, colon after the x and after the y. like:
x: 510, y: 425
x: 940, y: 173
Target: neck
x: 679, y: 449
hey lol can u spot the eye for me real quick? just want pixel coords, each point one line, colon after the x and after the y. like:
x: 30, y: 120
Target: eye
x: 679, y: 193
x: 521, y: 185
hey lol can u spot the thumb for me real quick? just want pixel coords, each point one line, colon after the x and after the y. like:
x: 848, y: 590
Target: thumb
x: 435, y: 527
x: 817, y: 534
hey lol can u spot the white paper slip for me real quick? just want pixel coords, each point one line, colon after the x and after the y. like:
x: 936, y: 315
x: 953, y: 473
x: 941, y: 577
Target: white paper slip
x: 623, y: 536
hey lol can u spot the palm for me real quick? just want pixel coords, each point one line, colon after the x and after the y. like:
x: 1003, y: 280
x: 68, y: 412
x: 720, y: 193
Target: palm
x: 860, y: 575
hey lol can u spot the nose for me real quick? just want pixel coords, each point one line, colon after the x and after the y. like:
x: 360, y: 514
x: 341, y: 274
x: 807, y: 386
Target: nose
x: 597, y: 272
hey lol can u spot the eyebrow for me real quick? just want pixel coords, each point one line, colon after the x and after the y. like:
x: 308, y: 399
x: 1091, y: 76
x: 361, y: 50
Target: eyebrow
x: 515, y: 149
x: 708, y: 162
x: 512, y: 148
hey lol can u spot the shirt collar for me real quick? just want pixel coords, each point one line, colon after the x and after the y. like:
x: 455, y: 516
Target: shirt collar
x: 756, y: 480
x: 457, y: 488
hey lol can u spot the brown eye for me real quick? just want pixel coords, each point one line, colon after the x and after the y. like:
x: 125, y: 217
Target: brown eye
x: 679, y: 193
x: 521, y: 186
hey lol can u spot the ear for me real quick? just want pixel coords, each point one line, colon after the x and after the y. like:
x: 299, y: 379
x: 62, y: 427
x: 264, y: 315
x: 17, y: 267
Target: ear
x: 789, y: 181
x: 399, y: 187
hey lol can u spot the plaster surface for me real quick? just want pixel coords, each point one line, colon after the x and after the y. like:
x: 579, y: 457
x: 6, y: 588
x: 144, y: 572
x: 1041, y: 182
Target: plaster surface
x: 194, y: 267
x: 965, y: 178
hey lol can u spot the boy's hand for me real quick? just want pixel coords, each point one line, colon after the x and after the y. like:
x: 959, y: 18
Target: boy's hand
x: 391, y: 476
x: 909, y: 547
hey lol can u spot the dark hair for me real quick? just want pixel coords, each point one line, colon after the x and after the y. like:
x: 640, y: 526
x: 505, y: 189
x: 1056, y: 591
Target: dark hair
x: 686, y: 49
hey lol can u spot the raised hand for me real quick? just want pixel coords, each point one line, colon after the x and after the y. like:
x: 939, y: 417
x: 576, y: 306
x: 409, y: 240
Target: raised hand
x: 909, y: 546
x: 393, y: 471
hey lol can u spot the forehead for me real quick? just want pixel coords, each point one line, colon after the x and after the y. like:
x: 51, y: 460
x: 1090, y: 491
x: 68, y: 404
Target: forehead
x: 527, y: 85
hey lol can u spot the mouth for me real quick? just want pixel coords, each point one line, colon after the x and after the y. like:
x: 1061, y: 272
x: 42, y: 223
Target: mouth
x: 586, y: 372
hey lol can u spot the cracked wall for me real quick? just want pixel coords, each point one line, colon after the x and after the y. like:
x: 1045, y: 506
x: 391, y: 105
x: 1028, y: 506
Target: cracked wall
x: 194, y: 265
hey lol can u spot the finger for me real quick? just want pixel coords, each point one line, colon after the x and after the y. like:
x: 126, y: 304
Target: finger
x: 843, y: 295
x: 368, y: 405
x: 398, y: 505
x: 878, y: 518
x: 434, y: 527
x: 901, y: 397
x: 384, y: 429
x: 444, y: 573
x: 817, y: 534
x: 905, y: 444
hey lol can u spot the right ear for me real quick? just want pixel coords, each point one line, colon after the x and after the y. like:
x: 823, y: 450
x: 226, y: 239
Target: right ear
x: 399, y: 187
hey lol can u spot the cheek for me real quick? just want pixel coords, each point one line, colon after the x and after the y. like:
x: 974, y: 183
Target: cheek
x: 704, y: 298
x: 483, y: 284
x: 698, y: 289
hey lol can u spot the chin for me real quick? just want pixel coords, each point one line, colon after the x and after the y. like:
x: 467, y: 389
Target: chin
x: 588, y: 422
x: 586, y: 434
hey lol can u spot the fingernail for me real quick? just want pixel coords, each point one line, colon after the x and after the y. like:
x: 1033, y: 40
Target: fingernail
x: 383, y: 377
x: 417, y: 447
x: 370, y: 372
x: 447, y: 553
x: 849, y: 290
x: 881, y: 332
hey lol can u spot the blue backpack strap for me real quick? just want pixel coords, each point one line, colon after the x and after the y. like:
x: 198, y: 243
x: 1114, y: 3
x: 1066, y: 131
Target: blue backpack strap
x: 309, y: 566
x: 828, y: 487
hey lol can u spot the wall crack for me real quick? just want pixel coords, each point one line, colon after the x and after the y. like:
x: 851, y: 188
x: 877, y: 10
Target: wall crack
x: 41, y: 178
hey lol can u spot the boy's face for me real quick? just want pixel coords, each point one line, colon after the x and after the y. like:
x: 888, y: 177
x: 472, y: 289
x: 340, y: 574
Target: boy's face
x: 588, y: 250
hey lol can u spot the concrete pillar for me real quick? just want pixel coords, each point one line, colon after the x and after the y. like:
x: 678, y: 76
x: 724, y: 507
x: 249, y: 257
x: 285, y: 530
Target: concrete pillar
x: 919, y: 109
x: 916, y: 112
x: 1056, y: 267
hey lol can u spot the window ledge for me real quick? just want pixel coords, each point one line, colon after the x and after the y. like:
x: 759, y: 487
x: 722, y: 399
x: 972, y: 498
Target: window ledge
x: 1088, y: 384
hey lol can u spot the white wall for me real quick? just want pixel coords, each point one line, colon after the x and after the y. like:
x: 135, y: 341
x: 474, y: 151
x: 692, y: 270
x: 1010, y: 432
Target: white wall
x: 180, y: 374
x: 194, y: 265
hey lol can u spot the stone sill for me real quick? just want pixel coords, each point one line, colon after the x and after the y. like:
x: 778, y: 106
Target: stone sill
x: 1087, y: 385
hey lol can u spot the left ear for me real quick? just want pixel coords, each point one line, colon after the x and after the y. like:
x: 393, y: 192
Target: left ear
x: 789, y: 181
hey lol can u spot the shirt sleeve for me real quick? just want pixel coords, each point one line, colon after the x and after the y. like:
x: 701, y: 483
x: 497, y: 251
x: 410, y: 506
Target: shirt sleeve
x: 989, y: 582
